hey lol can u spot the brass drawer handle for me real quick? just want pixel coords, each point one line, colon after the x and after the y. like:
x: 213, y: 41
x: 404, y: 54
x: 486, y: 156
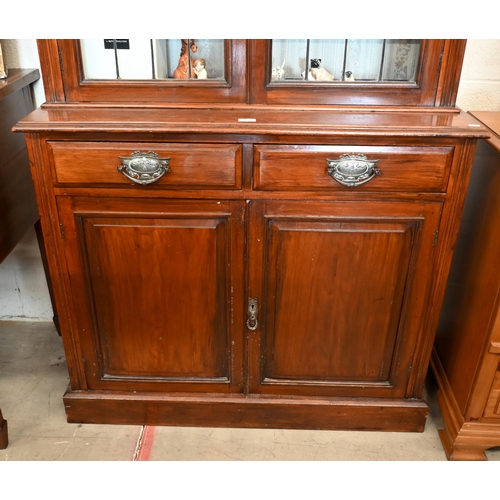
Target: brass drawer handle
x: 253, y: 310
x: 144, y: 168
x: 352, y: 170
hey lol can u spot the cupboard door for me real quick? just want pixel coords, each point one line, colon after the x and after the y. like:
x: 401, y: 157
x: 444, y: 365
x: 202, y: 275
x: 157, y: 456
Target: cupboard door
x: 144, y: 71
x: 342, y: 295
x: 154, y: 286
x: 355, y: 72
x: 492, y: 409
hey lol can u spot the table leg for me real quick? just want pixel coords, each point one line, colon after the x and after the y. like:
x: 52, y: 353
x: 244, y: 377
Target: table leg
x: 4, y: 437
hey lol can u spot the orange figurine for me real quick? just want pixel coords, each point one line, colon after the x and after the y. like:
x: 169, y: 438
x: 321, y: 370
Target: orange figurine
x: 182, y: 70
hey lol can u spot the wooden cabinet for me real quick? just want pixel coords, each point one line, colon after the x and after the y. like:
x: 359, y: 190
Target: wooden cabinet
x: 466, y: 358
x: 18, y: 210
x: 233, y: 264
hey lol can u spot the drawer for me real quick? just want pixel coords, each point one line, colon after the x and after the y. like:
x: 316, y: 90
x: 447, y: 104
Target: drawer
x: 204, y: 166
x: 405, y: 169
x: 492, y: 408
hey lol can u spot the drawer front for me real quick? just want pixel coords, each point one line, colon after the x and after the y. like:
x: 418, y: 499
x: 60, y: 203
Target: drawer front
x: 492, y: 409
x: 204, y: 166
x: 302, y: 168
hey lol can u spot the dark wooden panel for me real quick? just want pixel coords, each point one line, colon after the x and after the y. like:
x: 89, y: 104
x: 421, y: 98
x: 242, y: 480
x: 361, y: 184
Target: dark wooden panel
x: 17, y: 79
x: 12, y: 108
x: 18, y: 209
x: 339, y: 288
x: 156, y: 295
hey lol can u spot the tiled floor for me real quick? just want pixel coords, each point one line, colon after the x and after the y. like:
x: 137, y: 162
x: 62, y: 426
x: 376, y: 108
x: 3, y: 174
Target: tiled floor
x: 33, y: 378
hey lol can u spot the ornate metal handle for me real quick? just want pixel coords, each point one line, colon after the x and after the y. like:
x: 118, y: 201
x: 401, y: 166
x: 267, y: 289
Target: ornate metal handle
x: 144, y: 168
x: 252, y: 311
x: 352, y: 170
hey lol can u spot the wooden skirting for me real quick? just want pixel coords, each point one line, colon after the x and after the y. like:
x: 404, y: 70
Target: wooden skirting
x: 245, y: 411
x: 461, y: 440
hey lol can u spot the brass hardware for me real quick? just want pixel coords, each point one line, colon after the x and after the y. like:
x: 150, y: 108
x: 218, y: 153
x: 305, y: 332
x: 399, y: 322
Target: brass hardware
x: 252, y: 312
x: 144, y: 168
x: 352, y: 170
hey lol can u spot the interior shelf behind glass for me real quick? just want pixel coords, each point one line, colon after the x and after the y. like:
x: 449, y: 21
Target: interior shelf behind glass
x: 154, y: 59
x: 345, y: 60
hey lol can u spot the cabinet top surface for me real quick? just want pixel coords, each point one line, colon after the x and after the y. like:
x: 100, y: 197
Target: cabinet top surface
x: 16, y: 80
x: 252, y: 120
x: 492, y: 120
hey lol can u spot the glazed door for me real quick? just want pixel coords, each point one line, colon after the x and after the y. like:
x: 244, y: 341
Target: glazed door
x: 156, y: 286
x: 341, y: 291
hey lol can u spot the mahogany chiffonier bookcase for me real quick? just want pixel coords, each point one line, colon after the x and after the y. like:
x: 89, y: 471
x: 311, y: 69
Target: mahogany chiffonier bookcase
x: 466, y: 358
x: 251, y: 233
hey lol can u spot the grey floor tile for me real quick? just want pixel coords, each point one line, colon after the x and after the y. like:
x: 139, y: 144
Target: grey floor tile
x: 33, y: 378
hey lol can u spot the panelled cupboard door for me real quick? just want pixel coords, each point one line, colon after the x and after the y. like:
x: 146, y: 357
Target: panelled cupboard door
x: 492, y: 409
x: 342, y: 297
x: 155, y: 286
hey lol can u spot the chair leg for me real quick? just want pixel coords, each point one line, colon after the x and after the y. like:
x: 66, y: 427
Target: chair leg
x: 4, y: 436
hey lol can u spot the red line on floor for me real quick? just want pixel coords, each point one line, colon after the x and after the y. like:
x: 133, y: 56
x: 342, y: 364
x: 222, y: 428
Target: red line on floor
x: 146, y: 444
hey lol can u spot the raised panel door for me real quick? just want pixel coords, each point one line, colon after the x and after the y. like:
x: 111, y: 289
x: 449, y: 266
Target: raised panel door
x: 492, y: 409
x: 153, y: 286
x: 341, y: 297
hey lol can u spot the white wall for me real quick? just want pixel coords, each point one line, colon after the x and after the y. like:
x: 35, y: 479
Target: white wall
x: 23, y: 53
x: 23, y: 289
x: 479, y: 88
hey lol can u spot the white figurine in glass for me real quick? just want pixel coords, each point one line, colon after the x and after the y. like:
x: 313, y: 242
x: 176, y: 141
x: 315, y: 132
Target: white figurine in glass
x: 317, y: 72
x: 278, y: 72
x: 199, y: 69
x: 3, y: 69
x: 349, y: 77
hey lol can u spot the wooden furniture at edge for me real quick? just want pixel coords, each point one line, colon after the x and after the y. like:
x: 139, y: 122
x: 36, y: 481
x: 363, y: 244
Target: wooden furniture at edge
x: 466, y: 358
x: 247, y: 287
x: 4, y: 433
x: 18, y: 210
x: 18, y: 207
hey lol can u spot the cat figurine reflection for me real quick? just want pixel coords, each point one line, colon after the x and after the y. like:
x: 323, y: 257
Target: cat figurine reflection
x: 317, y: 72
x: 278, y: 72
